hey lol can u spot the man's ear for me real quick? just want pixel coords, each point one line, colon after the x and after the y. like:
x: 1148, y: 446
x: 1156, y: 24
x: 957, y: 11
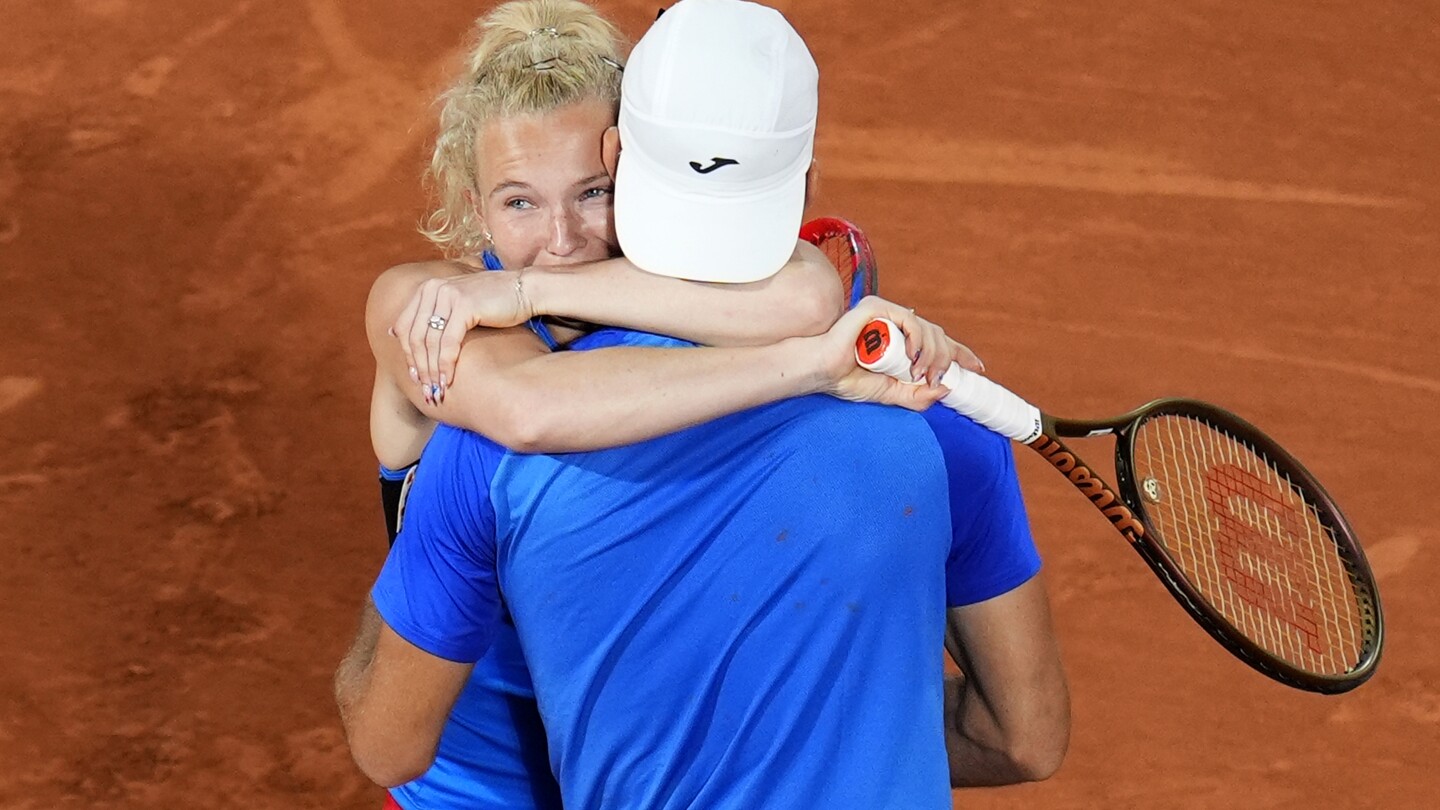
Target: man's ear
x: 812, y: 181
x: 610, y: 150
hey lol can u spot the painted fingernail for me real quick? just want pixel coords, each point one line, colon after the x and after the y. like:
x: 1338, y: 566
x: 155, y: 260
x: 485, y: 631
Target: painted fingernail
x: 414, y: 375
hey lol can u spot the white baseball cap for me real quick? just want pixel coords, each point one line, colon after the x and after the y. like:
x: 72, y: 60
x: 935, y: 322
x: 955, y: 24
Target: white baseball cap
x: 717, y: 131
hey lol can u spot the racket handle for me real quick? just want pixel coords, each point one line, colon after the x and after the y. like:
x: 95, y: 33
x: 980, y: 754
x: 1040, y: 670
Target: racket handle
x: 881, y: 348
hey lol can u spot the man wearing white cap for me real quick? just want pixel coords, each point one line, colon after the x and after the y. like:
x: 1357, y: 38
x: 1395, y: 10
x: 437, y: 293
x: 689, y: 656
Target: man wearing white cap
x: 747, y: 613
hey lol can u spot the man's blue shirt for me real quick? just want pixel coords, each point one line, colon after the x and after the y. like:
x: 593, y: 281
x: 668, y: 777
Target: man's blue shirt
x: 745, y: 613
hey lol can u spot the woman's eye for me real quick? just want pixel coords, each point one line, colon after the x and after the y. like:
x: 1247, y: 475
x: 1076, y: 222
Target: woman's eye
x: 519, y: 204
x: 596, y: 193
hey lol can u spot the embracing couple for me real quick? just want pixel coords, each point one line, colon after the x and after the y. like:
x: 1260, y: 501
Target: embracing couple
x: 663, y: 562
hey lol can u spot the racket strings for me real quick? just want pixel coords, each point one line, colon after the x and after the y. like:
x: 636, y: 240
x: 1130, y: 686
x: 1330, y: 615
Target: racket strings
x: 856, y: 274
x: 1251, y: 544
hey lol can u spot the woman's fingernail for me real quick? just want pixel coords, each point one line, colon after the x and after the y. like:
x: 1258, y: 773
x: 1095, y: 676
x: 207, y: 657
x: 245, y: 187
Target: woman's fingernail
x: 390, y: 331
x: 414, y: 375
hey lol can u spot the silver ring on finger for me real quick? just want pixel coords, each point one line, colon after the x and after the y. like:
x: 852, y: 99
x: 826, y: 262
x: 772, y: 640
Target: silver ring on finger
x: 437, y: 322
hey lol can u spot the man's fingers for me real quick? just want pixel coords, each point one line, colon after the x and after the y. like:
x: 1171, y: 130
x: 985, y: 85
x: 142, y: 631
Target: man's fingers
x: 925, y: 342
x: 966, y: 358
x: 935, y: 360
x: 919, y: 397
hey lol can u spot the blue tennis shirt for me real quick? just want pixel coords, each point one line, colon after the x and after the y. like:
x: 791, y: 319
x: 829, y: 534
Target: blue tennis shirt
x: 747, y: 613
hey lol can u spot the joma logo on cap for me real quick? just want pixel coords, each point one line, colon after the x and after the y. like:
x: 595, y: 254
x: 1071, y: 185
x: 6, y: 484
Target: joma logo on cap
x: 719, y: 161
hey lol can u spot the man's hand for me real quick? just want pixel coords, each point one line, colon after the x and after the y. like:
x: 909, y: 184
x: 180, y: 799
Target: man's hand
x: 432, y: 326
x: 931, y: 350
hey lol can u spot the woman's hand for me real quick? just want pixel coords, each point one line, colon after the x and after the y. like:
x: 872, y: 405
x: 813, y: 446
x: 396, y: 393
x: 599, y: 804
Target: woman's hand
x: 432, y: 326
x: 930, y: 348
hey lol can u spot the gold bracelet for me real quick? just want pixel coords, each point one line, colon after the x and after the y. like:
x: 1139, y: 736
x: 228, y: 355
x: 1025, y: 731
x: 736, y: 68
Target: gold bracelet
x: 520, y: 291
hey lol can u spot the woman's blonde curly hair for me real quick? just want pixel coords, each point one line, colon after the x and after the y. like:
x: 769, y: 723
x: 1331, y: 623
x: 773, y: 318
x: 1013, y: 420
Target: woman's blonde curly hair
x: 529, y: 56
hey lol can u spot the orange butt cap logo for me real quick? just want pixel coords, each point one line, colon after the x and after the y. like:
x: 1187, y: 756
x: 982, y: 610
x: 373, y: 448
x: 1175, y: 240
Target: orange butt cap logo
x: 873, y: 341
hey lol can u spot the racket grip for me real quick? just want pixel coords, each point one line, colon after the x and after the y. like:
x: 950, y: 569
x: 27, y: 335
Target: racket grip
x: 881, y: 348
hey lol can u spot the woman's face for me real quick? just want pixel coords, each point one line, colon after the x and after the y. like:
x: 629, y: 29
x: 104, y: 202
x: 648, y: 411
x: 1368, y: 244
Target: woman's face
x: 544, y: 193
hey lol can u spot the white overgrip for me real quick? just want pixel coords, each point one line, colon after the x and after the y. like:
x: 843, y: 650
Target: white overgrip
x: 971, y: 394
x: 991, y: 405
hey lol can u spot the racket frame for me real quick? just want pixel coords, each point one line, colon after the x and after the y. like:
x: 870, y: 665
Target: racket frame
x: 1050, y: 445
x: 864, y: 269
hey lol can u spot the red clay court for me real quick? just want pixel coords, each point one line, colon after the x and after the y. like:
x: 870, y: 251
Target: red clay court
x: 1111, y: 201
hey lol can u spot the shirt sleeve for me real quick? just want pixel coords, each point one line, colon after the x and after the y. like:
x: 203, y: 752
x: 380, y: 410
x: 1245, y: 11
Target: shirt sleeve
x: 439, y: 588
x: 992, y: 551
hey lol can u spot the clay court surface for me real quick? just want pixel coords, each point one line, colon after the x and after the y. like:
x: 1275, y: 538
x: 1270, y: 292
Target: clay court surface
x: 1110, y: 200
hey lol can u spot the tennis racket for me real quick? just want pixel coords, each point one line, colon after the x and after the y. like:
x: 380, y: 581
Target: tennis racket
x: 848, y: 249
x: 1241, y: 534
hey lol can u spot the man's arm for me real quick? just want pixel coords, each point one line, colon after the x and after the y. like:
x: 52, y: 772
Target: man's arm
x: 432, y: 612
x: 394, y: 699
x: 1007, y: 718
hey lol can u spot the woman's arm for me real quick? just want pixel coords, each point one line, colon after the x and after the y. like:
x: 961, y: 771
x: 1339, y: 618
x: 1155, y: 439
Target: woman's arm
x: 804, y: 298
x: 514, y: 391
